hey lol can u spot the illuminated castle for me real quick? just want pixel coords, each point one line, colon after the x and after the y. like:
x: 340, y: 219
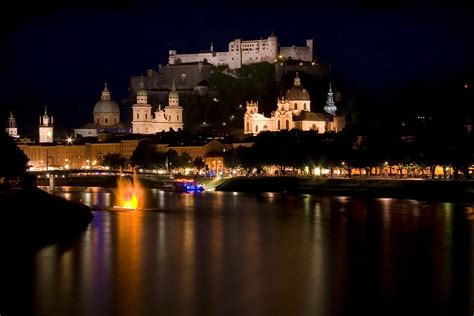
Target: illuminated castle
x: 244, y: 52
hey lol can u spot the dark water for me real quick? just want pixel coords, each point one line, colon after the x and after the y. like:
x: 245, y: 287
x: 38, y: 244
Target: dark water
x: 269, y: 254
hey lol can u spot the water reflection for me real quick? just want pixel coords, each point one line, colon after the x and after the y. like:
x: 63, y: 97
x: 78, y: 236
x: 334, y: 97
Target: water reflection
x: 225, y: 253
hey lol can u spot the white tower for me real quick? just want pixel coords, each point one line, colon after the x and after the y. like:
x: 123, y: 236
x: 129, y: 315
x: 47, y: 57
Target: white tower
x: 11, y: 126
x: 330, y: 106
x: 141, y: 121
x: 174, y: 112
x: 46, y: 128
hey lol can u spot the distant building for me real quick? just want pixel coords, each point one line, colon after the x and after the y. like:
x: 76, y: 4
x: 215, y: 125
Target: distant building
x: 11, y: 128
x: 244, y: 52
x: 188, y: 78
x: 165, y: 119
x: 44, y: 156
x: 294, y: 111
x: 45, y: 128
x: 106, y: 118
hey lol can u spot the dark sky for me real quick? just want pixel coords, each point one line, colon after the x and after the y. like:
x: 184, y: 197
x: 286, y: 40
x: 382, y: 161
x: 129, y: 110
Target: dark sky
x: 59, y: 54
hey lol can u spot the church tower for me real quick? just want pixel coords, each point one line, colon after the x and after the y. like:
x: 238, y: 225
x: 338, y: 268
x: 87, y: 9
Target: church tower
x: 174, y: 112
x: 11, y: 126
x: 141, y: 121
x: 46, y: 128
x: 330, y: 106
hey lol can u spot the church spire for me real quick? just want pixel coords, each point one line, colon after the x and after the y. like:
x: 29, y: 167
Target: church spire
x: 45, y: 120
x: 141, y: 88
x: 105, y: 93
x: 330, y: 106
x: 297, y: 82
x: 11, y: 121
x: 173, y: 86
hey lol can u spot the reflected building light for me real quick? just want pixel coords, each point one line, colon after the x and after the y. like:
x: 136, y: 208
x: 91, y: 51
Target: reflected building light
x: 161, y: 238
x: 317, y: 210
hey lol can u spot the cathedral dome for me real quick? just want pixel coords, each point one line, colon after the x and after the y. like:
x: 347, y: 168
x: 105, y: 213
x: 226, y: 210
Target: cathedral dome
x: 106, y: 104
x: 297, y: 92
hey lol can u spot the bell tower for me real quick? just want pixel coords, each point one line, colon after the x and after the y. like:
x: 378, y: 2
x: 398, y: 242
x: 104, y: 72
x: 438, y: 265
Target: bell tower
x: 45, y: 127
x: 11, y: 126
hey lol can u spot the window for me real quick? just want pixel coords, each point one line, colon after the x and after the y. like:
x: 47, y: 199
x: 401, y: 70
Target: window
x: 106, y: 120
x: 115, y: 120
x: 279, y: 125
x: 296, y: 106
x: 177, y: 118
x: 248, y: 127
x: 287, y: 124
x: 265, y: 127
x: 97, y: 121
x: 314, y: 127
x: 304, y: 106
x: 138, y: 116
x: 256, y: 128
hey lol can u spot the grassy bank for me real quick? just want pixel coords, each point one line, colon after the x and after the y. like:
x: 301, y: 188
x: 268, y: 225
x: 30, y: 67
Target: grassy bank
x: 440, y: 190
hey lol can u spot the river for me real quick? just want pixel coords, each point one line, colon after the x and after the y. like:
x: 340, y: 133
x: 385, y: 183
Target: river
x: 218, y: 253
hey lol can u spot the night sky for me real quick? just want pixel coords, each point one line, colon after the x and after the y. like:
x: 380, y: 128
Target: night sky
x: 59, y: 55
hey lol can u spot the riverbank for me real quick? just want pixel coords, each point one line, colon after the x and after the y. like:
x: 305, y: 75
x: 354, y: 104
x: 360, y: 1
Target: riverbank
x: 429, y: 190
x: 36, y: 218
x: 97, y: 181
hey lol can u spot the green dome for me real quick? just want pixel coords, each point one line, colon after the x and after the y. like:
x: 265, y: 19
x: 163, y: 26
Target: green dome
x: 106, y: 106
x: 173, y: 93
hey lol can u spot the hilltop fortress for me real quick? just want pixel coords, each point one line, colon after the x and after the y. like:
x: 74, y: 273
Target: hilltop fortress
x: 244, y: 52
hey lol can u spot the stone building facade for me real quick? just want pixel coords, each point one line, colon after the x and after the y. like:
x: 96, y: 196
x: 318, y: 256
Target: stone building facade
x: 243, y: 52
x: 294, y: 111
x: 43, y: 156
x: 165, y: 119
x: 106, y: 118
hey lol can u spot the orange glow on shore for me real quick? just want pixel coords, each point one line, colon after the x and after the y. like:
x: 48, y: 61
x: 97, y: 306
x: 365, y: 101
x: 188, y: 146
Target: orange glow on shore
x: 129, y: 193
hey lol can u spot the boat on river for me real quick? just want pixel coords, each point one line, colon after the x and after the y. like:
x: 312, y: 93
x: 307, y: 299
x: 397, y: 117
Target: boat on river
x: 183, y: 185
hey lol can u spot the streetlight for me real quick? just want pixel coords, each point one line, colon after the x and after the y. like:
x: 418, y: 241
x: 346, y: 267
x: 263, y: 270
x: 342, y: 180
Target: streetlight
x: 69, y: 140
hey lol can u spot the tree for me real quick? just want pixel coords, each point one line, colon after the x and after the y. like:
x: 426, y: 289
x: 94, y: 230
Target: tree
x: 114, y: 161
x: 199, y: 163
x: 13, y: 161
x: 145, y: 156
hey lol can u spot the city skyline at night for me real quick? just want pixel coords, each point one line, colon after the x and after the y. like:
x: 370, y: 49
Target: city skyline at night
x: 60, y: 57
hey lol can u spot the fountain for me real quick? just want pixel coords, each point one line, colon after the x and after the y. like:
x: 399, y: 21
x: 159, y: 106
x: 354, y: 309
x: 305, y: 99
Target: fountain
x: 129, y: 194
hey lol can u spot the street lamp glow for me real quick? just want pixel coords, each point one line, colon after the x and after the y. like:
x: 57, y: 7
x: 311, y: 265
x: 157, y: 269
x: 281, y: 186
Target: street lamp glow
x: 69, y: 140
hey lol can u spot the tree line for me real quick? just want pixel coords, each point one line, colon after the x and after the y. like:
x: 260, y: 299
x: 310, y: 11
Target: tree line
x: 347, y: 150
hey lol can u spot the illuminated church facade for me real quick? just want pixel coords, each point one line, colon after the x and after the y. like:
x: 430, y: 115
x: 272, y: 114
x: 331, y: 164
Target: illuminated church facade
x: 164, y: 119
x: 294, y: 111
